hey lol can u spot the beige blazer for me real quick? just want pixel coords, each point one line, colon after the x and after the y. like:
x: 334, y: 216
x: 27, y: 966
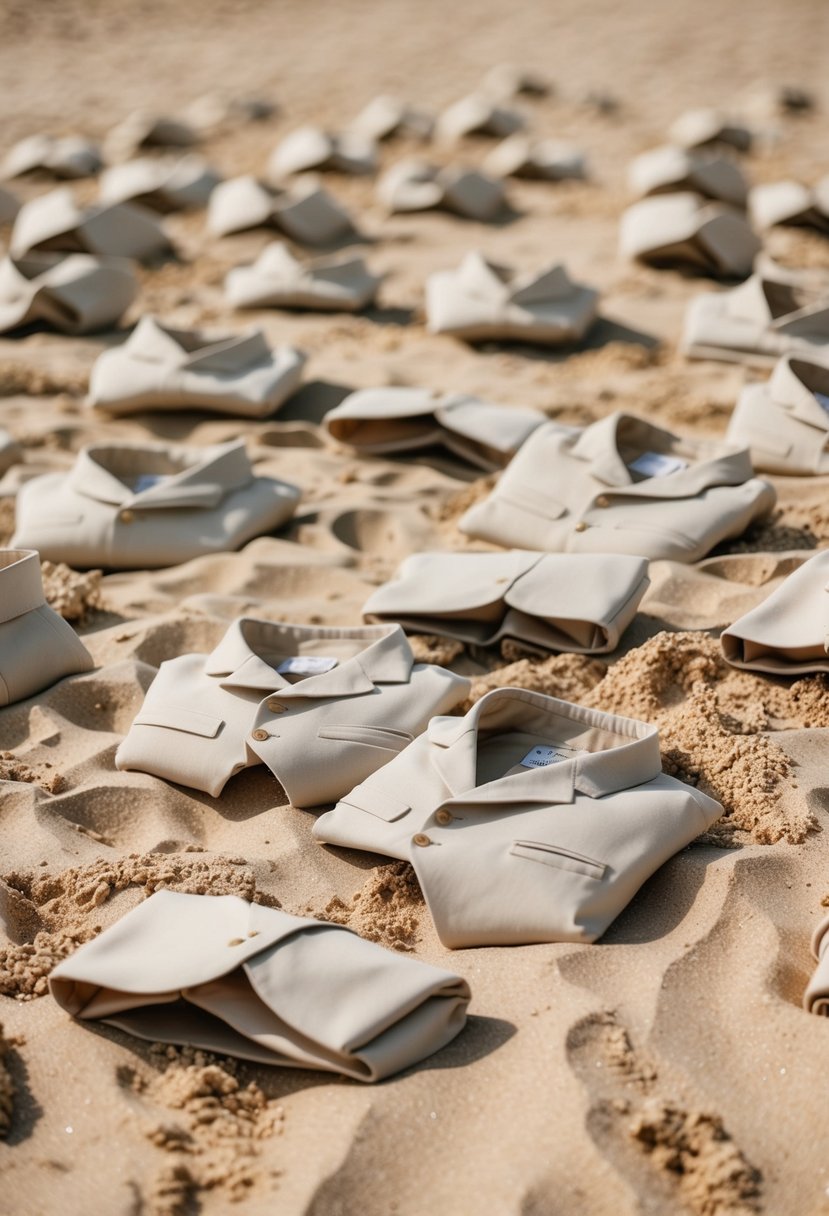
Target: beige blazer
x: 159, y: 368
x: 688, y: 230
x: 307, y: 214
x: 37, y: 647
x: 75, y: 293
x: 128, y: 507
x: 528, y: 820
x: 321, y: 707
x: 621, y: 486
x: 224, y: 975
x: 279, y: 280
x: 785, y: 421
x: 68, y: 156
x: 310, y: 148
x: 548, y: 160
x: 816, y: 996
x: 382, y: 421
x: 414, y: 185
x: 55, y: 222
x: 477, y: 114
x: 386, y: 116
x: 706, y: 126
x: 160, y: 184
x: 579, y: 602
x: 672, y: 169
x: 790, y: 202
x: 788, y: 633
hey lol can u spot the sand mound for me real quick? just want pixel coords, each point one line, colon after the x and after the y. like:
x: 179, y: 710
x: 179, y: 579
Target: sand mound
x: 386, y: 909
x: 72, y: 593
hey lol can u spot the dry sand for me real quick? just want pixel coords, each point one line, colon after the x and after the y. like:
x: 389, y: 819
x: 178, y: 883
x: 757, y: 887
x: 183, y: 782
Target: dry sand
x: 669, y: 1069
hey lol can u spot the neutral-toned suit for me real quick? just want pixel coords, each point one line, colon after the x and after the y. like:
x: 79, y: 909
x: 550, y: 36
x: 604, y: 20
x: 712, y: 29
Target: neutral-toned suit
x: 321, y: 707
x: 66, y: 156
x: 73, y: 293
x: 277, y: 279
x: 311, y: 148
x: 37, y: 647
x: 162, y: 185
x: 224, y: 975
x: 621, y: 486
x: 671, y: 170
x: 788, y: 633
x: 130, y: 506
x: 684, y: 229
x: 782, y: 420
x: 416, y: 185
x: 816, y: 996
x: 528, y: 820
x: 579, y: 602
x: 54, y: 221
x: 307, y: 214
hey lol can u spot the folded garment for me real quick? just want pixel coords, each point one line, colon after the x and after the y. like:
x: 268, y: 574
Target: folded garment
x: 70, y: 156
x: 549, y: 160
x: 381, y: 421
x: 306, y: 214
x: 9, y: 206
x: 477, y: 114
x: 37, y: 647
x: 310, y: 148
x: 162, y: 185
x: 144, y: 506
x: 790, y: 202
x: 387, y: 116
x: 757, y: 322
x: 685, y: 230
x: 788, y: 633
x: 621, y: 486
x: 142, y: 130
x: 75, y: 294
x: 524, y: 777
x: 414, y: 185
x: 54, y: 221
x: 671, y: 169
x: 279, y: 280
x: 10, y: 451
x: 506, y: 80
x: 581, y: 603
x: 482, y: 301
x: 784, y: 422
x: 321, y: 707
x: 816, y: 996
x: 224, y: 975
x: 705, y: 126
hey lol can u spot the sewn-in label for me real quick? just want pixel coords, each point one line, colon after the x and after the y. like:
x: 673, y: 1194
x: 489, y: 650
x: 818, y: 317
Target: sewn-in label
x: 822, y: 401
x: 656, y: 464
x: 306, y: 665
x: 541, y: 756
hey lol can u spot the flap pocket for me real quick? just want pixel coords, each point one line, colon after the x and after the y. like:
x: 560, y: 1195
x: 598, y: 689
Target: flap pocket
x: 377, y: 802
x: 371, y: 736
x: 529, y: 499
x: 562, y: 859
x: 176, y: 717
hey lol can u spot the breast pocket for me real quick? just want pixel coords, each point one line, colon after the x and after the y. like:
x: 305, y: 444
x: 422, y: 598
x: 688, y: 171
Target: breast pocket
x: 561, y: 858
x: 174, y: 717
x: 531, y: 500
x: 369, y: 736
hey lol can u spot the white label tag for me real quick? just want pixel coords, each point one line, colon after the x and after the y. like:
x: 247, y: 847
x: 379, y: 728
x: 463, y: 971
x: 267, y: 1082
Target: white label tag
x: 654, y: 464
x: 146, y: 481
x: 306, y: 665
x: 540, y: 757
x: 822, y: 401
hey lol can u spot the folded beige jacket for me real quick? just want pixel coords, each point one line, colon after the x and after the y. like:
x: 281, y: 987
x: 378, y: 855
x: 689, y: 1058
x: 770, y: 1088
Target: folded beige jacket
x: 307, y: 213
x: 386, y: 116
x: 785, y: 421
x: 528, y: 820
x: 69, y: 156
x: 55, y: 222
x: 37, y: 647
x: 790, y: 202
x: 788, y: 633
x: 159, y: 368
x: 381, y: 421
x: 218, y: 973
x: 130, y: 506
x: 310, y: 147
x: 687, y: 230
x: 816, y: 996
x: 162, y: 185
x: 74, y: 293
x: 321, y: 707
x: 579, y: 602
x: 672, y: 169
x: 706, y: 126
x: 621, y: 486
x: 477, y: 114
x: 279, y: 280
x: 414, y: 185
x: 548, y: 160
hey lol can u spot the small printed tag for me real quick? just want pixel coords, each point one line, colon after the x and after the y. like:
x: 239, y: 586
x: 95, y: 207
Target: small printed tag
x: 146, y: 481
x: 306, y: 665
x: 823, y: 401
x: 540, y: 757
x: 655, y: 464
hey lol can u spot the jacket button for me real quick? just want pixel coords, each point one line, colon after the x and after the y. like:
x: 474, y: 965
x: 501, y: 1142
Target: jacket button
x: 602, y: 501
x: 276, y: 707
x: 127, y: 516
x: 235, y: 941
x: 443, y: 817
x: 421, y: 839
x: 581, y: 526
x: 260, y: 735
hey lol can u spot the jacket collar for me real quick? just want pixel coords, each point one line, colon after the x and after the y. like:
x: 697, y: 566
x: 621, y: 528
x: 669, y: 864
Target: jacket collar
x: 190, y: 477
x: 487, y: 280
x: 631, y: 755
x: 776, y: 304
x: 152, y: 342
x: 386, y: 659
x: 598, y: 445
x: 21, y: 584
x: 793, y: 385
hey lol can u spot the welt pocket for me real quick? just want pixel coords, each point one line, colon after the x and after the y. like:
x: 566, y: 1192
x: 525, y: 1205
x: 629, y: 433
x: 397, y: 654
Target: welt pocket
x: 371, y: 736
x: 58, y: 521
x: 561, y: 858
x: 533, y: 501
x: 190, y: 721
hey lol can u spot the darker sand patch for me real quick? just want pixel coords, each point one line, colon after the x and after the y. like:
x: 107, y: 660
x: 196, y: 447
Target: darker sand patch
x: 386, y: 909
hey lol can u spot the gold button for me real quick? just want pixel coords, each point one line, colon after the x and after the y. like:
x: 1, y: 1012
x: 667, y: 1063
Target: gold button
x: 127, y: 516
x: 260, y: 735
x: 499, y: 582
x: 443, y: 817
x: 602, y: 501
x: 235, y: 941
x: 421, y: 839
x: 276, y: 707
x: 581, y: 526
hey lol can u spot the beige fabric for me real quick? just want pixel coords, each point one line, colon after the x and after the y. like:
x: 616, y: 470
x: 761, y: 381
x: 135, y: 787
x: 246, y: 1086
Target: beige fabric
x: 279, y: 280
x: 321, y: 707
x: 685, y: 230
x: 816, y: 996
x: 142, y: 130
x: 143, y: 506
x: 549, y: 160
x: 788, y: 633
x: 37, y: 647
x: 306, y: 214
x: 507, y: 80
x: 75, y: 294
x: 159, y: 368
x: 477, y: 114
x: 70, y: 156
x: 238, y: 978
x: 578, y: 493
x: 162, y: 185
x: 380, y: 421
x: 783, y: 422
x: 386, y: 116
x: 671, y: 169
x: 702, y: 127
x: 54, y: 221
x: 790, y: 202
x: 310, y: 148
x: 529, y: 820
x: 10, y: 450
x: 482, y: 301
x: 571, y: 602
x: 414, y: 185
x: 9, y: 206
x: 757, y: 322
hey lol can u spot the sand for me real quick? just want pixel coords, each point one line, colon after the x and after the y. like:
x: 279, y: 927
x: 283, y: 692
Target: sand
x: 668, y: 1069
